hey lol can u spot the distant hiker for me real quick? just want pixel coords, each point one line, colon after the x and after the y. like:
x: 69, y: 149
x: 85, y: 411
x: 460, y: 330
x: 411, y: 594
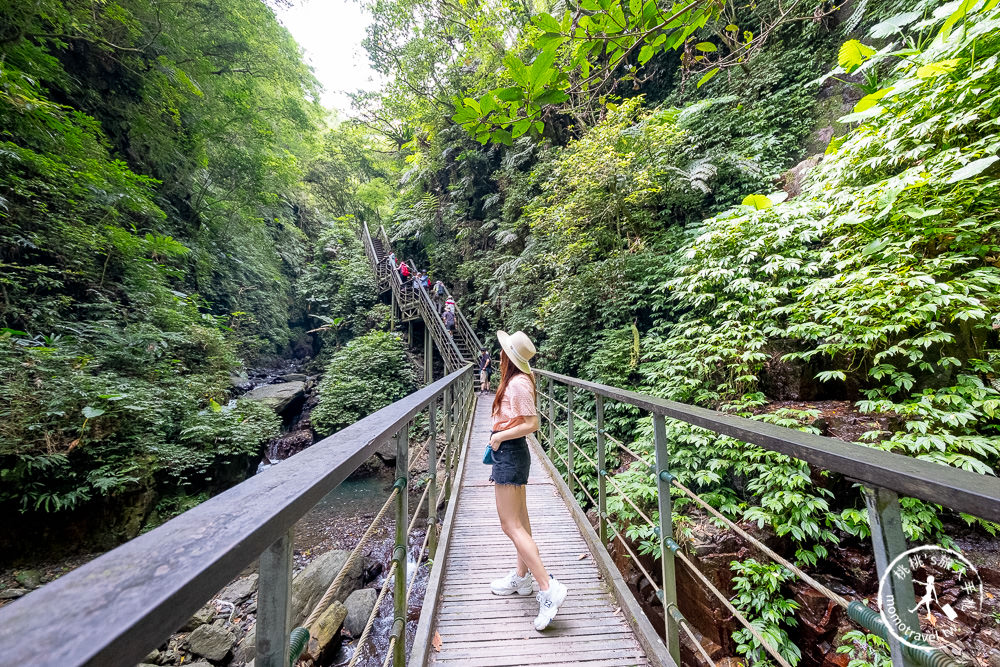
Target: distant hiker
x: 404, y: 271
x: 485, y: 370
x: 427, y: 281
x: 418, y: 280
x: 449, y: 303
x: 449, y: 321
x: 392, y: 260
x: 439, y: 295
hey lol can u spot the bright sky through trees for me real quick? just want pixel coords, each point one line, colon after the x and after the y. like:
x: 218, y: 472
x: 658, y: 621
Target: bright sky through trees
x: 330, y: 32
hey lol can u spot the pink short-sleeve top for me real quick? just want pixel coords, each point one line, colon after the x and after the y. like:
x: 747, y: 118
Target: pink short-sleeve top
x: 517, y: 403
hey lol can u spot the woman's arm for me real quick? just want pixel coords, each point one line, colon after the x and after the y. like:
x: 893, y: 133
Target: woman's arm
x: 529, y: 425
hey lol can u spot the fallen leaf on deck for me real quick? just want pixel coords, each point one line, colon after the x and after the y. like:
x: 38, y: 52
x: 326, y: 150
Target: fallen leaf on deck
x: 436, y: 641
x: 582, y: 556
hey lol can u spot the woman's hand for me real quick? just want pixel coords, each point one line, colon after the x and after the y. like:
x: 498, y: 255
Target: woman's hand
x: 495, y: 440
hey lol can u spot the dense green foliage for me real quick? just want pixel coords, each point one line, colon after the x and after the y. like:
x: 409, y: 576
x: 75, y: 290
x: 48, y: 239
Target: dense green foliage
x: 634, y: 233
x: 164, y: 170
x: 367, y: 374
x: 601, y: 178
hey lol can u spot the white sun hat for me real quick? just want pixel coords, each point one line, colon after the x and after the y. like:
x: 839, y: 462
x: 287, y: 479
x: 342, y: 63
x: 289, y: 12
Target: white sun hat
x: 518, y: 347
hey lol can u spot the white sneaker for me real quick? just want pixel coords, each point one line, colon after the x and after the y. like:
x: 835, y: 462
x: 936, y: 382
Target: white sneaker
x: 512, y: 584
x: 548, y: 603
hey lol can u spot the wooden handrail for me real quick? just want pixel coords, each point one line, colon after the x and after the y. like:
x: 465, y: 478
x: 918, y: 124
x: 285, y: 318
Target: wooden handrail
x: 113, y: 610
x: 960, y: 490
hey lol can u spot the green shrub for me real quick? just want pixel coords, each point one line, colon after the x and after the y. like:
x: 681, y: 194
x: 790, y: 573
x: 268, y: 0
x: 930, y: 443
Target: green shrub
x: 367, y: 374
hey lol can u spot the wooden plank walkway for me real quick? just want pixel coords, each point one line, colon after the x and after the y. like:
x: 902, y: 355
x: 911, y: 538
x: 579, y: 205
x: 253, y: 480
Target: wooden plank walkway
x: 478, y: 628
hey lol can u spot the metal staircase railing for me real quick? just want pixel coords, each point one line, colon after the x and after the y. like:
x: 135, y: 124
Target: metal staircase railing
x: 416, y: 303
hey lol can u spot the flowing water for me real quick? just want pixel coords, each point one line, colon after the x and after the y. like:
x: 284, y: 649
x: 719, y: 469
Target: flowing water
x: 337, y: 522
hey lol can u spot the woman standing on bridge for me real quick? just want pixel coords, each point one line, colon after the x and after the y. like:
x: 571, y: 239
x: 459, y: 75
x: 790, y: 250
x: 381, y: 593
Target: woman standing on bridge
x: 514, y: 417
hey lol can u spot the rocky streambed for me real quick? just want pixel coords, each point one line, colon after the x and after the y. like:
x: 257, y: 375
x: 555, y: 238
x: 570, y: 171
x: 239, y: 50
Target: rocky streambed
x: 221, y: 633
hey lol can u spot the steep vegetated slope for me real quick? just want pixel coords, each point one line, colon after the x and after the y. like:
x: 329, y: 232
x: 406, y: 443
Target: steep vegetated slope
x: 165, y: 176
x: 621, y: 203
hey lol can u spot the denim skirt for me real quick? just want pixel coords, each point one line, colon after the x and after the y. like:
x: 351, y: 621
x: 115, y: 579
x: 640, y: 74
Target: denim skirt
x: 511, y: 462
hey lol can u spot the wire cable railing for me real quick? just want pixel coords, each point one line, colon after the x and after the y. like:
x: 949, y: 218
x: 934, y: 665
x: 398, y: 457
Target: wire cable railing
x: 963, y: 491
x: 398, y: 566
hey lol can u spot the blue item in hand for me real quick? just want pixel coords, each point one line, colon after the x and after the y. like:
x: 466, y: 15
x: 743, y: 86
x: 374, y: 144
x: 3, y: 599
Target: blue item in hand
x: 488, y: 455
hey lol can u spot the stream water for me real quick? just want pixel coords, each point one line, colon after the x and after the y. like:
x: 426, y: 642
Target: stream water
x: 339, y: 521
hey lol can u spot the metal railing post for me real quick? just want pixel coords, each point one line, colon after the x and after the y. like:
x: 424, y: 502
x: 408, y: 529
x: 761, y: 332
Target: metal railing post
x: 602, y: 471
x: 432, y: 482
x: 399, y: 552
x: 446, y: 416
x: 274, y: 603
x: 569, y: 440
x: 888, y: 541
x: 428, y: 355
x: 539, y: 385
x: 666, y: 528
x: 552, y: 412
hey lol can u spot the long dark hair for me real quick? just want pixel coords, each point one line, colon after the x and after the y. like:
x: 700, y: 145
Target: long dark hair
x: 508, y: 371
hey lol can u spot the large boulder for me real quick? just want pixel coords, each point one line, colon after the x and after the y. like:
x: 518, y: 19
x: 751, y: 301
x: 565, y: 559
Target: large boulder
x: 308, y: 588
x: 311, y: 583
x: 359, y: 607
x: 211, y: 642
x: 387, y: 451
x: 279, y: 397
x: 239, y: 590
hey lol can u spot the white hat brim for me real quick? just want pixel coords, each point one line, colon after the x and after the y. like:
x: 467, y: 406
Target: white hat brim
x: 504, y: 339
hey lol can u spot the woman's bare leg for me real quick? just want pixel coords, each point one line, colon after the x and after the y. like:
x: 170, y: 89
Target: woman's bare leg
x: 522, y: 567
x: 510, y: 501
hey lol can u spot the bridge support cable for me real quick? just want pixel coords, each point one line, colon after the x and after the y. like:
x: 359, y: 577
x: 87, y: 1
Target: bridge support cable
x: 356, y: 552
x: 675, y: 615
x: 363, y: 639
x: 599, y: 429
x: 883, y: 470
x: 732, y: 610
x: 399, y: 564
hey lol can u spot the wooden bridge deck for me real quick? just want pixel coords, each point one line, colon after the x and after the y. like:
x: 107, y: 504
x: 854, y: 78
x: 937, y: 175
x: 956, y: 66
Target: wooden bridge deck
x: 479, y: 628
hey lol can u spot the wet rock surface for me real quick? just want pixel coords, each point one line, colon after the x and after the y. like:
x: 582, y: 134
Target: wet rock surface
x: 210, y: 641
x: 239, y: 590
x: 279, y: 397
x: 359, y: 605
